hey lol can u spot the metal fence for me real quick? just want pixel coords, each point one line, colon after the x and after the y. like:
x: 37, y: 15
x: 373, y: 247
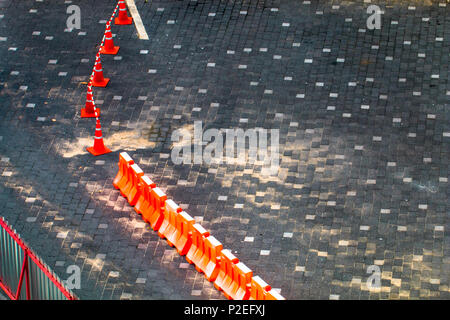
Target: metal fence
x: 23, y: 275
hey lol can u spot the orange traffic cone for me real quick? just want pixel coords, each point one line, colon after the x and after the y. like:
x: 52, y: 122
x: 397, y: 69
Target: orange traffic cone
x: 98, y: 80
x: 123, y: 17
x: 108, y: 47
x: 98, y: 148
x: 88, y: 110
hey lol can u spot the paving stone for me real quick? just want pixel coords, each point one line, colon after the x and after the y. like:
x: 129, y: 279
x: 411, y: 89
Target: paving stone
x: 364, y: 143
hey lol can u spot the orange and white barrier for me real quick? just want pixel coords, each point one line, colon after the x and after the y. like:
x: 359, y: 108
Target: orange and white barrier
x: 144, y: 187
x: 156, y: 210
x: 184, y: 225
x: 274, y: 295
x: 127, y: 183
x: 133, y: 192
x: 125, y: 161
x: 224, y: 279
x: 197, y: 249
x: 242, y: 277
x: 259, y: 289
x: 211, y: 258
x: 168, y: 226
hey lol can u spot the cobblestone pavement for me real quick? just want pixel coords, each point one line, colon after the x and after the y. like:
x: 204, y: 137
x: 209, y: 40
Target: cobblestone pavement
x: 364, y: 143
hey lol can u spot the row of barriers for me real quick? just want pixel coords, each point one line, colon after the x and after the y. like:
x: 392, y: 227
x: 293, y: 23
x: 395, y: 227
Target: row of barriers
x: 23, y: 275
x: 190, y: 239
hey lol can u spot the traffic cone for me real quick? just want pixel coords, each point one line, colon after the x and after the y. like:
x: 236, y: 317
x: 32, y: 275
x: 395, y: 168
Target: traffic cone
x: 98, y: 80
x: 88, y: 110
x: 108, y: 47
x: 98, y: 148
x: 123, y: 17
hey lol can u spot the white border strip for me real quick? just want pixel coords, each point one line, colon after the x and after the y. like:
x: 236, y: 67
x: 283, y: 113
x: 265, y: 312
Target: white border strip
x: 137, y: 20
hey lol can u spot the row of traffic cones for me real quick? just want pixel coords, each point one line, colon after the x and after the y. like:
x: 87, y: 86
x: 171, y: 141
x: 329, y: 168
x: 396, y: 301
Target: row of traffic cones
x: 98, y: 80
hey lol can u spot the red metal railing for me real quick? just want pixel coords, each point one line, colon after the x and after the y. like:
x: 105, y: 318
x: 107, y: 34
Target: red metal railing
x: 29, y: 257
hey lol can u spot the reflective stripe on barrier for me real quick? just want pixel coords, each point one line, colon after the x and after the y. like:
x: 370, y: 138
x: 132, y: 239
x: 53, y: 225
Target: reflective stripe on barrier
x: 195, y: 252
x: 145, y: 185
x: 259, y: 289
x: 156, y: 217
x: 211, y: 258
x: 124, y: 162
x: 224, y: 279
x: 133, y: 194
x: 184, y: 226
x: 168, y: 227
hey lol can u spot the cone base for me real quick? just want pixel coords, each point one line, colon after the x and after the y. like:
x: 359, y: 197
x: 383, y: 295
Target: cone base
x: 128, y: 20
x: 101, y: 84
x: 98, y: 152
x: 112, y: 51
x: 85, y: 114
